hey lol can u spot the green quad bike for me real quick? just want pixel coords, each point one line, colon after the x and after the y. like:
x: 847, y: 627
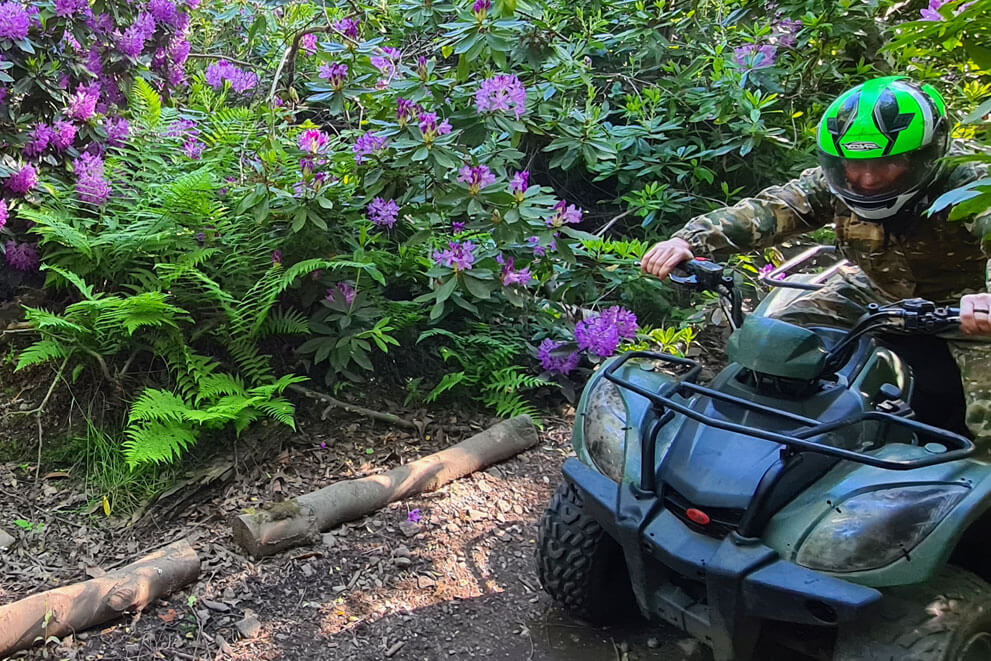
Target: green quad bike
x: 798, y: 500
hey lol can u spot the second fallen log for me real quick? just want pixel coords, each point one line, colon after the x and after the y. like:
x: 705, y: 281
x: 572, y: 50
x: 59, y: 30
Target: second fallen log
x: 76, y: 607
x: 300, y: 520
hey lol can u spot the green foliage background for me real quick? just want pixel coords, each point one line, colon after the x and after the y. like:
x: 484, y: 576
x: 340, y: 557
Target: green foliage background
x: 642, y: 113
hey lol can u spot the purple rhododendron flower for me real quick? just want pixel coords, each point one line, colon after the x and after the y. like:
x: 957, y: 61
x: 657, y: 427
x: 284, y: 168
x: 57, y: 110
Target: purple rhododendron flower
x: 276, y: 256
x: 64, y: 134
x: 476, y: 176
x: 163, y: 11
x: 82, y: 104
x: 308, y: 42
x: 785, y: 31
x: 347, y: 27
x: 458, y: 256
x: 564, y: 214
x: 3, y: 213
x: 313, y: 141
x: 406, y: 110
x: 182, y: 128
x: 480, y: 7
x: 117, y: 130
x: 421, y: 68
x: 38, y: 140
x: 178, y: 51
x: 430, y: 128
x: 21, y: 257
x: 23, y: 180
x: 519, y: 184
x: 509, y: 276
x: 132, y: 42
x: 767, y: 268
x: 347, y: 292
x: 222, y: 70
x: 756, y: 56
x: 600, y: 335
x: 14, y: 21
x: 368, y: 143
x: 383, y: 212
x: 193, y: 148
x: 335, y: 74
x: 91, y: 186
x: 94, y: 61
x: 457, y: 226
x: 501, y: 93
x: 66, y: 8
x: 387, y: 64
x: 553, y: 363
x: 538, y: 250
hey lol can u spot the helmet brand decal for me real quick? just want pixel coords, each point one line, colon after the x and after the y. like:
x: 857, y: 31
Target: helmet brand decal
x: 861, y: 146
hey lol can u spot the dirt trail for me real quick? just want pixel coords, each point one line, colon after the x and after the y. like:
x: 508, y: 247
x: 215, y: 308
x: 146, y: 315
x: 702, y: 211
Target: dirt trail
x: 447, y: 575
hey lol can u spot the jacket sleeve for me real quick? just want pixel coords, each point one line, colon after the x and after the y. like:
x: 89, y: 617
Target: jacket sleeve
x: 775, y: 213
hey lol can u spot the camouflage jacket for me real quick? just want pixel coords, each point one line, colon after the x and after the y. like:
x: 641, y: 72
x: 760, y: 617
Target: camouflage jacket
x: 932, y: 258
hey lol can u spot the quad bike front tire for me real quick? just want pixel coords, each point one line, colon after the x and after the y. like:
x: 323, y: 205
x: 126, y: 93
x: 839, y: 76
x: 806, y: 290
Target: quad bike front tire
x: 947, y: 618
x: 579, y: 564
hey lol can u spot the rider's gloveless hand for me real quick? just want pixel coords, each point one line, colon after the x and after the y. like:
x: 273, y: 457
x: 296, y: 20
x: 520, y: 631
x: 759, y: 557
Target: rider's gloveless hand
x: 663, y: 257
x: 975, y: 314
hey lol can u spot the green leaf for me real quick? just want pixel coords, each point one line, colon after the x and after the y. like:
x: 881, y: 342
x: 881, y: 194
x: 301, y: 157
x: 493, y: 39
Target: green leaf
x: 445, y: 290
x: 478, y: 288
x: 421, y: 154
x: 979, y: 53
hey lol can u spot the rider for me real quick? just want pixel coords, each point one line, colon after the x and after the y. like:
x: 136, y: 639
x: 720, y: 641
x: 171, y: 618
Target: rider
x: 880, y: 148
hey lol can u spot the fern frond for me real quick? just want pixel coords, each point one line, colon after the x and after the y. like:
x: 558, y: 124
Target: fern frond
x: 509, y: 405
x: 213, y: 386
x: 40, y: 352
x: 449, y: 380
x: 279, y: 410
x: 158, y: 406
x: 157, y: 442
x: 145, y: 103
x: 285, y: 322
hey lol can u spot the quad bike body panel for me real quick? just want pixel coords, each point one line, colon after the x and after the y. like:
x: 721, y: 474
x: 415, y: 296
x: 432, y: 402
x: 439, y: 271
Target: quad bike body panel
x: 756, y: 499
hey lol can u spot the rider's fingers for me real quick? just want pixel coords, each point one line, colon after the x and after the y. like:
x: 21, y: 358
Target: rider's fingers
x: 672, y: 260
x: 653, y: 260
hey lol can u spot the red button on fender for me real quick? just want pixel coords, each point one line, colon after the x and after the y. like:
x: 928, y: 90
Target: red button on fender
x: 697, y: 516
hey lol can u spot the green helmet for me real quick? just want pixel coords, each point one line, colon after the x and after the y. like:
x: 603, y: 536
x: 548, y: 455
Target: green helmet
x: 890, y: 128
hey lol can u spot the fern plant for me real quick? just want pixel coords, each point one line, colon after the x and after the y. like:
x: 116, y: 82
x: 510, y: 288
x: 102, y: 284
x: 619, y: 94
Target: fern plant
x: 488, y: 358
x: 182, y: 279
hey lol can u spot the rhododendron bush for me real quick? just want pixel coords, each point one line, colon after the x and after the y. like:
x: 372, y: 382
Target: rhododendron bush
x: 65, y: 67
x: 461, y: 187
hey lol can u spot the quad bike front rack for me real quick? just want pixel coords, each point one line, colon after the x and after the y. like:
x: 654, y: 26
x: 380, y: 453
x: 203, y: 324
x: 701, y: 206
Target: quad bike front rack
x: 795, y: 443
x: 957, y: 446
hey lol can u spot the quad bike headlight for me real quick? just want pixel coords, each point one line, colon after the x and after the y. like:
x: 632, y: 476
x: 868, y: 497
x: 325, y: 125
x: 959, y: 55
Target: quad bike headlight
x: 605, y: 429
x: 874, y: 529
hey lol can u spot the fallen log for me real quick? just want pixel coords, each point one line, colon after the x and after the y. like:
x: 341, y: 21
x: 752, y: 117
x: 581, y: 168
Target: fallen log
x: 301, y: 520
x: 76, y: 607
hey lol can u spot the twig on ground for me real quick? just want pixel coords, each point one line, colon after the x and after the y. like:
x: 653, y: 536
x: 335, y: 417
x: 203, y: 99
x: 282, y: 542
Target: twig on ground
x: 352, y: 408
x: 39, y: 410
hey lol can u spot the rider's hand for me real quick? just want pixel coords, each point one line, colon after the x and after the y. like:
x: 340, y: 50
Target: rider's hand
x: 660, y: 260
x: 975, y: 314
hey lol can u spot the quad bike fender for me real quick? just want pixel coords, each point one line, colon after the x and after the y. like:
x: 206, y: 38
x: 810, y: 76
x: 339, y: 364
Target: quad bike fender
x: 607, y: 430
x: 849, y: 487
